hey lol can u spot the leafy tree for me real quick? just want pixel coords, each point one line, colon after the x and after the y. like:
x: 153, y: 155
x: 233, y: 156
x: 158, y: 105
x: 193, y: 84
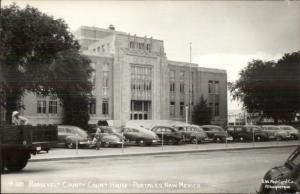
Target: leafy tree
x: 39, y: 54
x: 202, y: 114
x: 270, y: 88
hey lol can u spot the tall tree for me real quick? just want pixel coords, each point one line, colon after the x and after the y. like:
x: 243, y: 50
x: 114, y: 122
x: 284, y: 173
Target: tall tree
x: 270, y: 88
x: 202, y: 114
x: 39, y: 54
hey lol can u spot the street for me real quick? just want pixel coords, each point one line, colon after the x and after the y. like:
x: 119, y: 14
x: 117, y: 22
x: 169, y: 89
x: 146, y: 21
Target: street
x: 237, y: 171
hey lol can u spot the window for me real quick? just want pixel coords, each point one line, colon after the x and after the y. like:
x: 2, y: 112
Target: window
x: 141, y: 82
x: 148, y: 47
x: 105, y: 78
x: 92, y: 106
x: 181, y: 79
x: 181, y: 108
x: 41, y: 106
x: 172, y: 81
x: 52, y: 107
x: 214, y: 97
x: 131, y: 44
x: 172, y: 108
x: 105, y: 107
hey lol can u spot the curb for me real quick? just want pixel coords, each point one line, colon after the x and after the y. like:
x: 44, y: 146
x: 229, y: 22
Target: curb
x: 159, y: 153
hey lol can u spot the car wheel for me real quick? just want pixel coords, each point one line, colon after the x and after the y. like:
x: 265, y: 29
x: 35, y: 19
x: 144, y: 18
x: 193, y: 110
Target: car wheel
x: 194, y: 140
x: 106, y: 144
x: 278, y: 138
x: 70, y: 145
x: 171, y: 141
x: 258, y: 138
x: 141, y: 142
x: 242, y: 139
x: 218, y: 140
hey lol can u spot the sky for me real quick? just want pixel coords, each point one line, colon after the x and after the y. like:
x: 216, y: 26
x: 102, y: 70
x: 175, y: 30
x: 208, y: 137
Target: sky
x: 223, y: 34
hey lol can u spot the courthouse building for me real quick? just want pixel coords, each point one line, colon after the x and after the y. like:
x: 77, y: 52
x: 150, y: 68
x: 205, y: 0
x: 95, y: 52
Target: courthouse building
x: 135, y: 80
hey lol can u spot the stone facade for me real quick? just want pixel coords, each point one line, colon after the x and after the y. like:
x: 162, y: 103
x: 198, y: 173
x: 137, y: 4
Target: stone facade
x: 135, y: 80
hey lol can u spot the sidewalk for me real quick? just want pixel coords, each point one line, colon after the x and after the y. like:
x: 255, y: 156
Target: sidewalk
x: 71, y: 154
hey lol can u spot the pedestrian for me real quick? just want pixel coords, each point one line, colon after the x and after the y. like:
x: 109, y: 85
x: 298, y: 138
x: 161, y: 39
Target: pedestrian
x: 96, y: 140
x: 18, y: 120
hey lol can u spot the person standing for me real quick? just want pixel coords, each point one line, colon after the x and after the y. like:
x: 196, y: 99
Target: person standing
x: 18, y: 120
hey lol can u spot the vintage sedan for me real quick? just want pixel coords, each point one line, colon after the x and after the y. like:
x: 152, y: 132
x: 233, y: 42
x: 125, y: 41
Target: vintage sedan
x: 216, y: 133
x: 285, y: 178
x: 109, y: 137
x: 69, y: 136
x: 244, y: 133
x: 139, y: 135
x: 192, y: 133
x: 168, y: 134
x: 295, y: 134
x: 277, y: 132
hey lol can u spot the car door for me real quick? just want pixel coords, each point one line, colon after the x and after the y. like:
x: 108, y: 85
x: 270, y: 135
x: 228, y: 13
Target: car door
x: 62, y: 134
x: 209, y: 132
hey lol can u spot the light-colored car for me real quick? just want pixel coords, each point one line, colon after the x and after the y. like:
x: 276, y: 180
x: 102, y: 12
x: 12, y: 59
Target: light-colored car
x: 295, y: 134
x: 69, y: 136
x: 276, y: 132
x: 139, y: 135
x: 109, y: 137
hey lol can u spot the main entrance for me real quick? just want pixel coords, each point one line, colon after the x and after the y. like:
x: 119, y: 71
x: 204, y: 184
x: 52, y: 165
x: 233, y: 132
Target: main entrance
x: 140, y: 110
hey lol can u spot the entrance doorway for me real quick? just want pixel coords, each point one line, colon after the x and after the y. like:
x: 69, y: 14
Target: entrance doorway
x: 140, y: 110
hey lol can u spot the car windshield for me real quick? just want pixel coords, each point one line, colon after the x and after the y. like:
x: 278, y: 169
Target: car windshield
x: 296, y: 159
x: 79, y: 132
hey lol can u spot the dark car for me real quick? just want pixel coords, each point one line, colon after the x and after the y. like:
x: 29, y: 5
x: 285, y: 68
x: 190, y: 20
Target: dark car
x: 139, y: 135
x: 168, y: 134
x: 246, y: 133
x: 69, y: 135
x: 283, y: 179
x: 192, y: 133
x: 216, y: 133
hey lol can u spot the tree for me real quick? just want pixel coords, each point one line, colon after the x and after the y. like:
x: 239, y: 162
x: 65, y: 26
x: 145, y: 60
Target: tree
x: 39, y: 54
x: 202, y: 114
x: 270, y: 88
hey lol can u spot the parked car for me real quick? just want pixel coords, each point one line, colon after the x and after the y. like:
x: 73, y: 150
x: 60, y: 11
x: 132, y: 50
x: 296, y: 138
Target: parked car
x: 285, y: 178
x: 68, y: 136
x: 168, y: 134
x: 278, y: 133
x: 246, y: 133
x: 140, y: 135
x: 192, y: 133
x: 109, y: 137
x: 216, y: 133
x: 294, y: 133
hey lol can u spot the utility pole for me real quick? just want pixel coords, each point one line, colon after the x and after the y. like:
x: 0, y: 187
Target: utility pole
x: 190, y: 65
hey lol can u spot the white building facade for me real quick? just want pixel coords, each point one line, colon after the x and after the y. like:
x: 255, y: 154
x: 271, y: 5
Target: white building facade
x: 134, y: 80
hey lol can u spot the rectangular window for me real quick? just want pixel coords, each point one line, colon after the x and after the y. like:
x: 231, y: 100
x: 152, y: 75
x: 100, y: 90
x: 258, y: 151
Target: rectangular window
x: 148, y: 47
x: 52, y: 107
x: 105, y: 107
x: 41, y: 106
x: 181, y: 108
x: 217, y: 109
x: 210, y: 87
x: 92, y: 106
x: 131, y: 44
x: 172, y: 81
x: 172, y: 108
